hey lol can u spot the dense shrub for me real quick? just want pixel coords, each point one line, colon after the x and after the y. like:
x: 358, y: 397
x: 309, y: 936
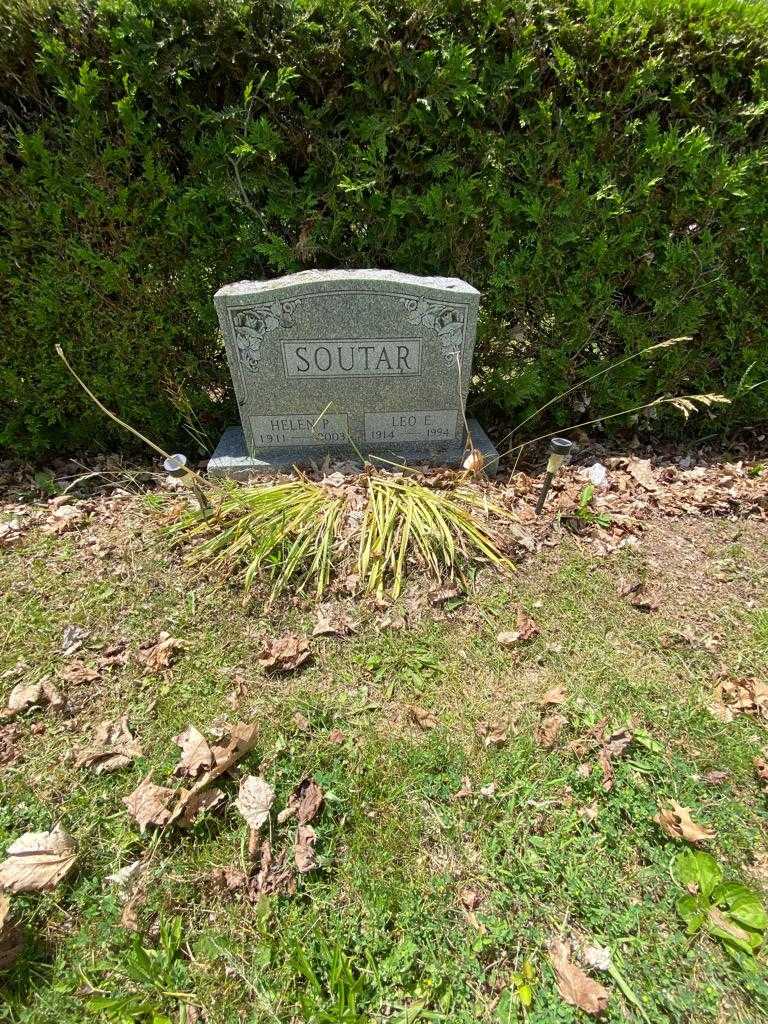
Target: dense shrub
x: 597, y: 169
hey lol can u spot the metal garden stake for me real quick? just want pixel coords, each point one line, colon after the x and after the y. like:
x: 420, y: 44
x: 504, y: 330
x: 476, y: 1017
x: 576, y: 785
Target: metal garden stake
x: 559, y: 449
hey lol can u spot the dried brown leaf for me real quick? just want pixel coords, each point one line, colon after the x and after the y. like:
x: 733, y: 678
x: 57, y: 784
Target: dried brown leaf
x: 676, y: 821
x: 196, y: 755
x: 304, y: 849
x: 284, y: 654
x: 744, y: 696
x: 333, y: 621
x: 423, y: 718
x: 640, y: 470
x: 77, y: 672
x: 274, y: 875
x: 474, y: 462
x: 576, y: 987
x: 113, y: 748
x: 61, y: 519
x: 240, y: 740
x: 644, y: 602
x: 196, y: 803
x: 305, y: 803
x: 470, y: 899
x: 157, y: 656
x: 549, y: 730
x: 437, y: 598
x: 607, y: 769
x: 616, y: 743
x: 72, y: 639
x: 230, y: 879
x: 11, y: 938
x: 50, y: 694
x: 588, y: 812
x: 464, y: 790
x: 492, y: 735
x: 23, y: 696
x: 38, y: 861
x: 613, y: 747
x: 148, y: 803
x: 555, y: 696
x: 638, y: 595
x: 526, y: 630
x: 113, y: 654
x: 254, y: 800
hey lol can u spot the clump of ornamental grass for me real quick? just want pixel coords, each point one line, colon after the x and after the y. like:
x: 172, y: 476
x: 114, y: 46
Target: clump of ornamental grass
x: 301, y: 534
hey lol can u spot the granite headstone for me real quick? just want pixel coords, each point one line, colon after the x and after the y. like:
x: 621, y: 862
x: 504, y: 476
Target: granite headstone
x: 348, y: 363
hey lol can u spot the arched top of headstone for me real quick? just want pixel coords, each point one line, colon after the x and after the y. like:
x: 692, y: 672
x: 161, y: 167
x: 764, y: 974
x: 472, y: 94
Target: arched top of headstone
x: 335, y: 278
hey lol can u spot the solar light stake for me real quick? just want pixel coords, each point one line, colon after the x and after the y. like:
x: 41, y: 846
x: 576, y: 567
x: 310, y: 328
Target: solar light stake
x: 176, y: 466
x: 559, y: 450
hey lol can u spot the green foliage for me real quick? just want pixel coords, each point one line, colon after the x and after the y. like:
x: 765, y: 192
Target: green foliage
x: 595, y: 167
x: 730, y: 911
x: 585, y: 511
x: 150, y: 979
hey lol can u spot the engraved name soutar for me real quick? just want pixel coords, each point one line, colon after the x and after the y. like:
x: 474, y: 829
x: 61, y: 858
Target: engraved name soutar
x: 251, y: 326
x: 445, y: 319
x: 366, y: 357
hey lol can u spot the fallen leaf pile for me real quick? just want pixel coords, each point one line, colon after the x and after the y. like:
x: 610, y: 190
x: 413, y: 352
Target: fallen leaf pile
x: 150, y: 804
x: 254, y: 802
x: 574, y: 985
x: 634, y: 487
x: 63, y: 517
x: 676, y: 821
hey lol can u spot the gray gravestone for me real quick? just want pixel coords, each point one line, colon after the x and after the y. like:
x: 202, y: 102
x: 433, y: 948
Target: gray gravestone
x: 347, y: 363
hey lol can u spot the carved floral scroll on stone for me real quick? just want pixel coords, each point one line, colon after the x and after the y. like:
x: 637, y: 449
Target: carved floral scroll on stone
x: 446, y: 320
x: 251, y: 326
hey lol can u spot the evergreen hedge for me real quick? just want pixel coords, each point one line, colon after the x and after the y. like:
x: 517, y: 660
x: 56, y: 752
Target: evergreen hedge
x: 596, y: 167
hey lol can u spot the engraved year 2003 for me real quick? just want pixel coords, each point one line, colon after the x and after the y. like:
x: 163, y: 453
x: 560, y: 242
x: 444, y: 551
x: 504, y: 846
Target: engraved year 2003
x: 296, y: 429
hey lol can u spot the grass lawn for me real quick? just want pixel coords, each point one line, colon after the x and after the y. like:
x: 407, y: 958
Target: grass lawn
x: 424, y: 906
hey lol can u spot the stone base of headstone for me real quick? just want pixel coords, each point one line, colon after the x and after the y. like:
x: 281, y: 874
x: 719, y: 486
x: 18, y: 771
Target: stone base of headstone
x: 232, y: 461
